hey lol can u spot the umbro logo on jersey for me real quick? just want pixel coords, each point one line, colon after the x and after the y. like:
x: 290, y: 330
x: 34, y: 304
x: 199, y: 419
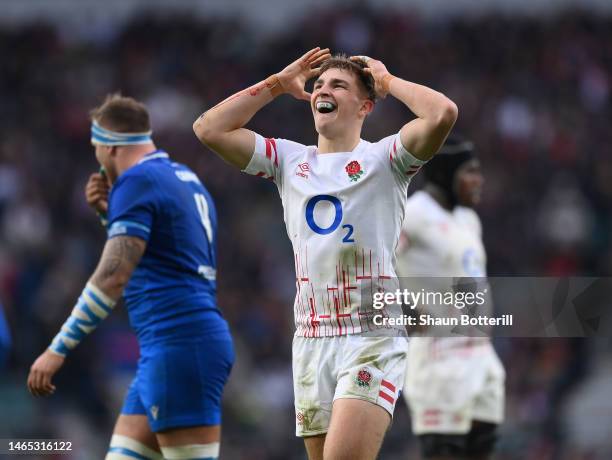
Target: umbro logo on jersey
x: 302, y: 170
x: 154, y: 412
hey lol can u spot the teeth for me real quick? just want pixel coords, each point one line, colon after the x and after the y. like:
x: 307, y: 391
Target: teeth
x: 325, y: 107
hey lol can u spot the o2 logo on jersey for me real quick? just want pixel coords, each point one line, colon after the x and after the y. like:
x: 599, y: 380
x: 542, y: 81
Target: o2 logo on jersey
x: 310, y: 219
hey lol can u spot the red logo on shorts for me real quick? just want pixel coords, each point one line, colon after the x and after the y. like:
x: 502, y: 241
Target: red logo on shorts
x: 300, y: 418
x: 363, y: 378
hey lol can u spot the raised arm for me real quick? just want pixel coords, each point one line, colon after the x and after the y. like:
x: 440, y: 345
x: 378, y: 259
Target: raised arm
x: 120, y: 257
x: 436, y: 114
x: 221, y: 128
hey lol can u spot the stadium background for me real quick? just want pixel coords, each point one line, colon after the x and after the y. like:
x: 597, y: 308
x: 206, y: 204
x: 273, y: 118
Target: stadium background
x: 532, y: 81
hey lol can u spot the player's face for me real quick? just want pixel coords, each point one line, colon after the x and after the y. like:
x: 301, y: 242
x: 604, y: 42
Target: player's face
x: 338, y: 103
x: 468, y: 183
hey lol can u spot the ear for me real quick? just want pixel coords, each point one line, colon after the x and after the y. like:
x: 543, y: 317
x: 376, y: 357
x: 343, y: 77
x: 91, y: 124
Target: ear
x: 112, y: 151
x: 366, y: 107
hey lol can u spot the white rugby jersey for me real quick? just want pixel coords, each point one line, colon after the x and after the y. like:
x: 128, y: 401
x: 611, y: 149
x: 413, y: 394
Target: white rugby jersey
x: 343, y: 213
x: 436, y: 247
x: 438, y: 242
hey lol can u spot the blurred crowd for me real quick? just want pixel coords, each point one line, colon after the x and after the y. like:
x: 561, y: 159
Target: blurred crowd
x: 534, y: 95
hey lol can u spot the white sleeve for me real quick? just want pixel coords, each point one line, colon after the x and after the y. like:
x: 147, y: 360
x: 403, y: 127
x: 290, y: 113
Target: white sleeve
x: 266, y: 160
x: 403, y: 163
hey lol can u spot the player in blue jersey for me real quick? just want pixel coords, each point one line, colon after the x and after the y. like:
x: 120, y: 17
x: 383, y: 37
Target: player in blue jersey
x: 160, y: 255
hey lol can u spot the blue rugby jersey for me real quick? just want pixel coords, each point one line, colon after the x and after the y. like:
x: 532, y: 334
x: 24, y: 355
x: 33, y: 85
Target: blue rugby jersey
x: 172, y: 292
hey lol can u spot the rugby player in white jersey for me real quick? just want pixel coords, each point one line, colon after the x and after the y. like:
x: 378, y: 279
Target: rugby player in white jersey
x: 343, y: 205
x: 454, y: 386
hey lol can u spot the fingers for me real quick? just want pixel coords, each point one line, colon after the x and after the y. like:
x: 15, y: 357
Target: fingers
x: 41, y: 373
x: 314, y: 73
x: 305, y: 96
x: 319, y: 56
x: 47, y: 387
x: 315, y: 57
x: 95, y: 197
x: 364, y: 59
x: 31, y: 386
x: 39, y: 384
x: 320, y: 59
x: 97, y: 190
x: 314, y: 54
x: 310, y: 53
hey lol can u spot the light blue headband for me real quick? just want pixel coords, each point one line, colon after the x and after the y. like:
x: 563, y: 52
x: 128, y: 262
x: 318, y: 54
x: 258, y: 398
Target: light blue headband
x: 103, y: 136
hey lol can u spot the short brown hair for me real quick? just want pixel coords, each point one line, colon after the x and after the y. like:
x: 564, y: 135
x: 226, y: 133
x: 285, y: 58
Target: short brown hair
x: 341, y: 61
x: 122, y: 114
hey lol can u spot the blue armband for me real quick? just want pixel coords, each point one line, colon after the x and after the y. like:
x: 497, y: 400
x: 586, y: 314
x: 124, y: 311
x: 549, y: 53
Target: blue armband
x: 91, y: 308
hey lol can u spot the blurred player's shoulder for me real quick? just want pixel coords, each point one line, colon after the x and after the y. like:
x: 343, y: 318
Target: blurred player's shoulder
x: 468, y: 217
x: 421, y: 207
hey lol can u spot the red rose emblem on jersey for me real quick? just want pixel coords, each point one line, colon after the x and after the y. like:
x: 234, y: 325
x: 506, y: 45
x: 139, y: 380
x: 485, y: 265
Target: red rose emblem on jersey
x: 353, y: 168
x: 363, y: 378
x: 354, y: 171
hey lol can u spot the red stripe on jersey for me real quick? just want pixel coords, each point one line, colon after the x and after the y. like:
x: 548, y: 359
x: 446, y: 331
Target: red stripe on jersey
x: 273, y: 142
x: 263, y: 174
x: 268, y: 149
x: 391, y: 153
x: 386, y: 397
x: 338, y: 315
x: 388, y: 385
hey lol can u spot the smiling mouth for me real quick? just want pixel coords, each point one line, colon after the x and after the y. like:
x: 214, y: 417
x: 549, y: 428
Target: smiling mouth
x: 325, y: 107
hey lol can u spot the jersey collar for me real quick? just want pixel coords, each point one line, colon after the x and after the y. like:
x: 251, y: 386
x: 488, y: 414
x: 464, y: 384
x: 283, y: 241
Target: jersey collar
x: 156, y: 154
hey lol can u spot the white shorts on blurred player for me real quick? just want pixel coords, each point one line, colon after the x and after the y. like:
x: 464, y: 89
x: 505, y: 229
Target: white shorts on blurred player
x: 452, y: 382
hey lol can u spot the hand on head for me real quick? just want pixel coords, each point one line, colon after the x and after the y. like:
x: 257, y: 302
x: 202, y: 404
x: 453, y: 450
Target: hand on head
x: 379, y: 72
x: 293, y: 78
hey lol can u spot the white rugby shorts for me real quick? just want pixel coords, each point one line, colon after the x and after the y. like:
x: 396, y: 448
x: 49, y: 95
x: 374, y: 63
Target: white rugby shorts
x: 447, y: 388
x: 353, y: 366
